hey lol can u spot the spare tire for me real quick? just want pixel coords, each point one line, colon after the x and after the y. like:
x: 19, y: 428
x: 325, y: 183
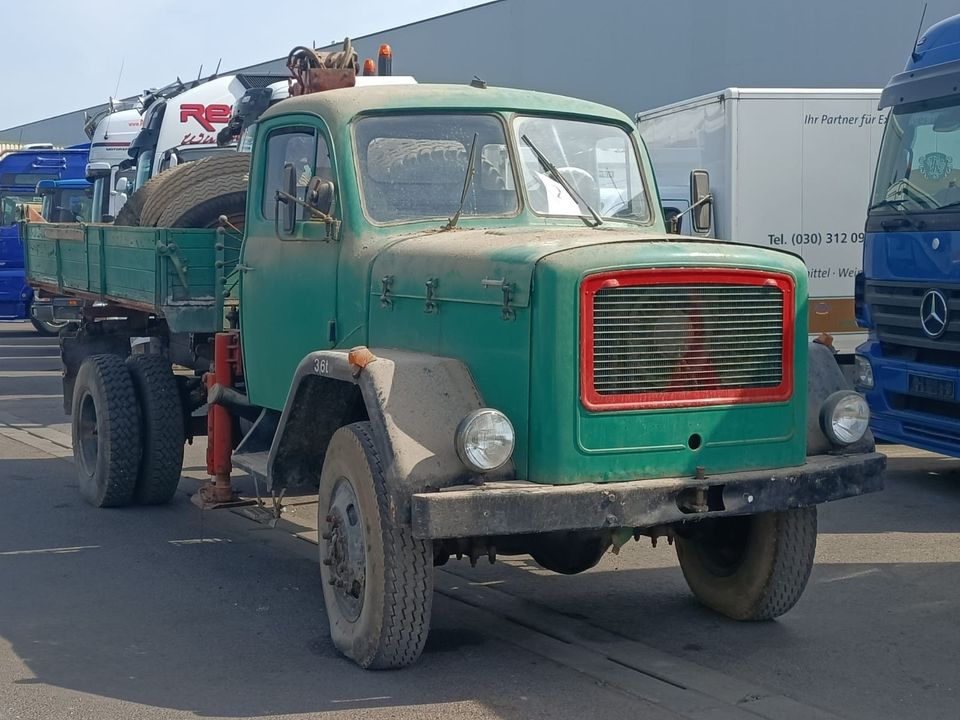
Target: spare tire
x: 132, y: 211
x: 202, y: 205
x: 233, y: 164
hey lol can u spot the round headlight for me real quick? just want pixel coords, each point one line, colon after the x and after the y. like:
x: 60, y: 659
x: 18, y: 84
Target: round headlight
x: 484, y: 440
x: 844, y: 417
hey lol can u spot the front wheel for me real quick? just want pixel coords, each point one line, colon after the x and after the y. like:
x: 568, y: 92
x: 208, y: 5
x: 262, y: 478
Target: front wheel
x: 377, y: 577
x: 750, y: 568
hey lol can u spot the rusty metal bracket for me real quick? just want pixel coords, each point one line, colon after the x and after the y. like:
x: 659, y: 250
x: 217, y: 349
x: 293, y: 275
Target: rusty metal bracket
x: 170, y: 250
x: 431, y: 306
x: 507, y: 312
x: 385, y: 300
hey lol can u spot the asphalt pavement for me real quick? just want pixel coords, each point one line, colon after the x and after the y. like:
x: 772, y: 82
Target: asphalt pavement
x: 173, y: 612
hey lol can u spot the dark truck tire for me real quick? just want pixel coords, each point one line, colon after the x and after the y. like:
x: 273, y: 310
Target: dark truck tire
x: 105, y: 426
x: 132, y: 212
x: 750, y: 568
x: 377, y: 578
x: 161, y: 428
x: 190, y: 174
x: 569, y: 553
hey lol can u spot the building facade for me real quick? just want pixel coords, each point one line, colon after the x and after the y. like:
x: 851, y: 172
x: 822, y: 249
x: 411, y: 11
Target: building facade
x: 632, y: 54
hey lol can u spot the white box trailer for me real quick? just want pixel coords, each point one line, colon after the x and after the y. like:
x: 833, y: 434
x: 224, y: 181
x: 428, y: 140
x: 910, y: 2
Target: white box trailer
x: 789, y: 169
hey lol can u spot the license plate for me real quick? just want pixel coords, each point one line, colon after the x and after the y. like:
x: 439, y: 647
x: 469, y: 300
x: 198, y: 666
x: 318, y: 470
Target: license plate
x: 932, y: 387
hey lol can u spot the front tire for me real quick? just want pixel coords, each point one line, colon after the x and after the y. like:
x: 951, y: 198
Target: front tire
x: 105, y: 425
x: 377, y: 578
x: 753, y: 567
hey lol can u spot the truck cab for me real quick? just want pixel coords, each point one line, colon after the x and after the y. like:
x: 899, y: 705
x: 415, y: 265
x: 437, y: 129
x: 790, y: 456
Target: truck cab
x: 180, y: 122
x: 908, y: 295
x: 111, y: 133
x: 66, y: 201
x: 20, y: 172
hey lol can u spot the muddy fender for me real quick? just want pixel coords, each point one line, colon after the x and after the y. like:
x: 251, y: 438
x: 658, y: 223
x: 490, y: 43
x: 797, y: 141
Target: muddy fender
x: 824, y: 378
x: 413, y: 402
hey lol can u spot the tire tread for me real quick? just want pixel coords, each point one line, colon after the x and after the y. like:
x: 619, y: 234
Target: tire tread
x: 162, y: 429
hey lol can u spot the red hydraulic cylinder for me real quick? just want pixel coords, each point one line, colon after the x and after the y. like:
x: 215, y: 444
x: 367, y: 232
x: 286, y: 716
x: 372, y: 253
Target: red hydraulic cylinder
x: 219, y: 422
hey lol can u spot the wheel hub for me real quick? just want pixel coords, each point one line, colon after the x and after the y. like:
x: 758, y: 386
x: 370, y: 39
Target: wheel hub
x: 346, y: 554
x: 87, y: 434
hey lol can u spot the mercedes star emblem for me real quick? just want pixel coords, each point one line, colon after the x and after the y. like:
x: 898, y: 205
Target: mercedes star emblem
x: 933, y: 313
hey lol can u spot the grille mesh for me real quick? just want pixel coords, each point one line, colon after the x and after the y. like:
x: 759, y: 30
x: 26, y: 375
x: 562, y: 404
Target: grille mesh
x: 686, y: 337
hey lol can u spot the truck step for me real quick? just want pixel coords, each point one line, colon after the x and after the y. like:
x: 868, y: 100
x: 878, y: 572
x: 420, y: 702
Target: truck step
x: 254, y: 463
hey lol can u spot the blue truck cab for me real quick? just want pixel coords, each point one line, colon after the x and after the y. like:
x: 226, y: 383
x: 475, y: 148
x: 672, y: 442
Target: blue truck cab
x: 20, y: 172
x: 66, y: 201
x: 908, y: 296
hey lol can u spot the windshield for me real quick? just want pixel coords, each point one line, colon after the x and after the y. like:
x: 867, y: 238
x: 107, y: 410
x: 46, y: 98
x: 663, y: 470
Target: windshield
x: 597, y: 160
x: 413, y: 167
x: 919, y: 165
x: 67, y: 205
x: 144, y: 168
x: 8, y: 206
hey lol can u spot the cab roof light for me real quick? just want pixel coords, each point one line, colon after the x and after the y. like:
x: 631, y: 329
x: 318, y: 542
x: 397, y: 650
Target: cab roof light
x: 385, y: 60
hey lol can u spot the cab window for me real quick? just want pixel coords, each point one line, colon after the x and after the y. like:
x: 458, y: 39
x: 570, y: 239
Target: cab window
x: 307, y: 152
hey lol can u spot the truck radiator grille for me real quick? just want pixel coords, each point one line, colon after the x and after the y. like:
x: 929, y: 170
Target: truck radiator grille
x: 678, y: 338
x: 895, y: 311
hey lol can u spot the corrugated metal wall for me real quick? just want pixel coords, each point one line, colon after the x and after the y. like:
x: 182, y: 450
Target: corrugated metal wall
x: 636, y: 54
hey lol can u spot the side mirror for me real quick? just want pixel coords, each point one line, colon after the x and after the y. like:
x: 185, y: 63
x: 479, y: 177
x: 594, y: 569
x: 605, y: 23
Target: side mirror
x: 701, y: 201
x: 320, y: 195
x: 122, y: 185
x: 287, y: 197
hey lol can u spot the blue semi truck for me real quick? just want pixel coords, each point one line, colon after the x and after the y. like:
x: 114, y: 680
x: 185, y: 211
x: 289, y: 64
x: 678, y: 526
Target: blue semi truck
x: 908, y: 295
x: 20, y: 173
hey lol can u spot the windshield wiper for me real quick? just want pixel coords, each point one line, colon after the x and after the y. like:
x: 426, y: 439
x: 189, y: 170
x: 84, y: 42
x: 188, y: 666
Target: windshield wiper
x: 467, y: 182
x: 955, y: 203
x: 896, y: 204
x: 555, y: 174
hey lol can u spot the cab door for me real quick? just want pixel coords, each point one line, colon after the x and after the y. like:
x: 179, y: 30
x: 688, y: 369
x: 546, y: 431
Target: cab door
x: 288, y: 279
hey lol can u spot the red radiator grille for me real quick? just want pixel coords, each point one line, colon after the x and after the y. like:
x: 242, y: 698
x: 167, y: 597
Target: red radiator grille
x: 687, y: 337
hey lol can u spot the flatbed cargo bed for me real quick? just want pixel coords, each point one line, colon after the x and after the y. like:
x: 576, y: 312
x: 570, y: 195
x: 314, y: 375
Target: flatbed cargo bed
x: 173, y: 273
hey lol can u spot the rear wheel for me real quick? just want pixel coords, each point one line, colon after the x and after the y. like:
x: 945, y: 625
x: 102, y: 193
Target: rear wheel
x: 377, y: 578
x: 750, y: 568
x: 161, y: 460
x: 105, y: 426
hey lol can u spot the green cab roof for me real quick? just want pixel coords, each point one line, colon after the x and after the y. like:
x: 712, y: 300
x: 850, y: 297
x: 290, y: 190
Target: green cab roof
x: 341, y: 106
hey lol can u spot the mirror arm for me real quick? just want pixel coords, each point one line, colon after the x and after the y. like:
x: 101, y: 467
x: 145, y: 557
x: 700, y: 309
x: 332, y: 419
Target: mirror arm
x: 318, y: 214
x: 333, y: 225
x: 702, y: 201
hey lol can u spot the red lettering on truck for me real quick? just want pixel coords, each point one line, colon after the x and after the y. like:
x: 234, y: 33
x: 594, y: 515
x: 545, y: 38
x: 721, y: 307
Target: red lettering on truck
x: 206, y: 115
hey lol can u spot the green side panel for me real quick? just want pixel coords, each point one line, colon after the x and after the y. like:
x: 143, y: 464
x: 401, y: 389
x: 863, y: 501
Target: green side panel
x: 495, y: 350
x: 170, y: 272
x: 569, y: 444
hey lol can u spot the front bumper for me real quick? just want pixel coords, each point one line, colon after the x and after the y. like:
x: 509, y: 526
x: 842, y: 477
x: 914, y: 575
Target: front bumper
x: 897, y: 415
x: 512, y: 508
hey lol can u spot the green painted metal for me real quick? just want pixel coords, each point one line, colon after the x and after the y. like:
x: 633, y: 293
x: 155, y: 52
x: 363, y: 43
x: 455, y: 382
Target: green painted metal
x: 172, y: 272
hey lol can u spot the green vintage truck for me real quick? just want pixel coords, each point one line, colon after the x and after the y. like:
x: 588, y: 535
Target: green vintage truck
x: 457, y: 309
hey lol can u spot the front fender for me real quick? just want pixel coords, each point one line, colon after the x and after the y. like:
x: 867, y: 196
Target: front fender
x: 413, y: 402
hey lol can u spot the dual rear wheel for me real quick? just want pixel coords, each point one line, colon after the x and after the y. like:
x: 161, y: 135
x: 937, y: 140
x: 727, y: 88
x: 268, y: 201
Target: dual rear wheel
x: 127, y: 426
